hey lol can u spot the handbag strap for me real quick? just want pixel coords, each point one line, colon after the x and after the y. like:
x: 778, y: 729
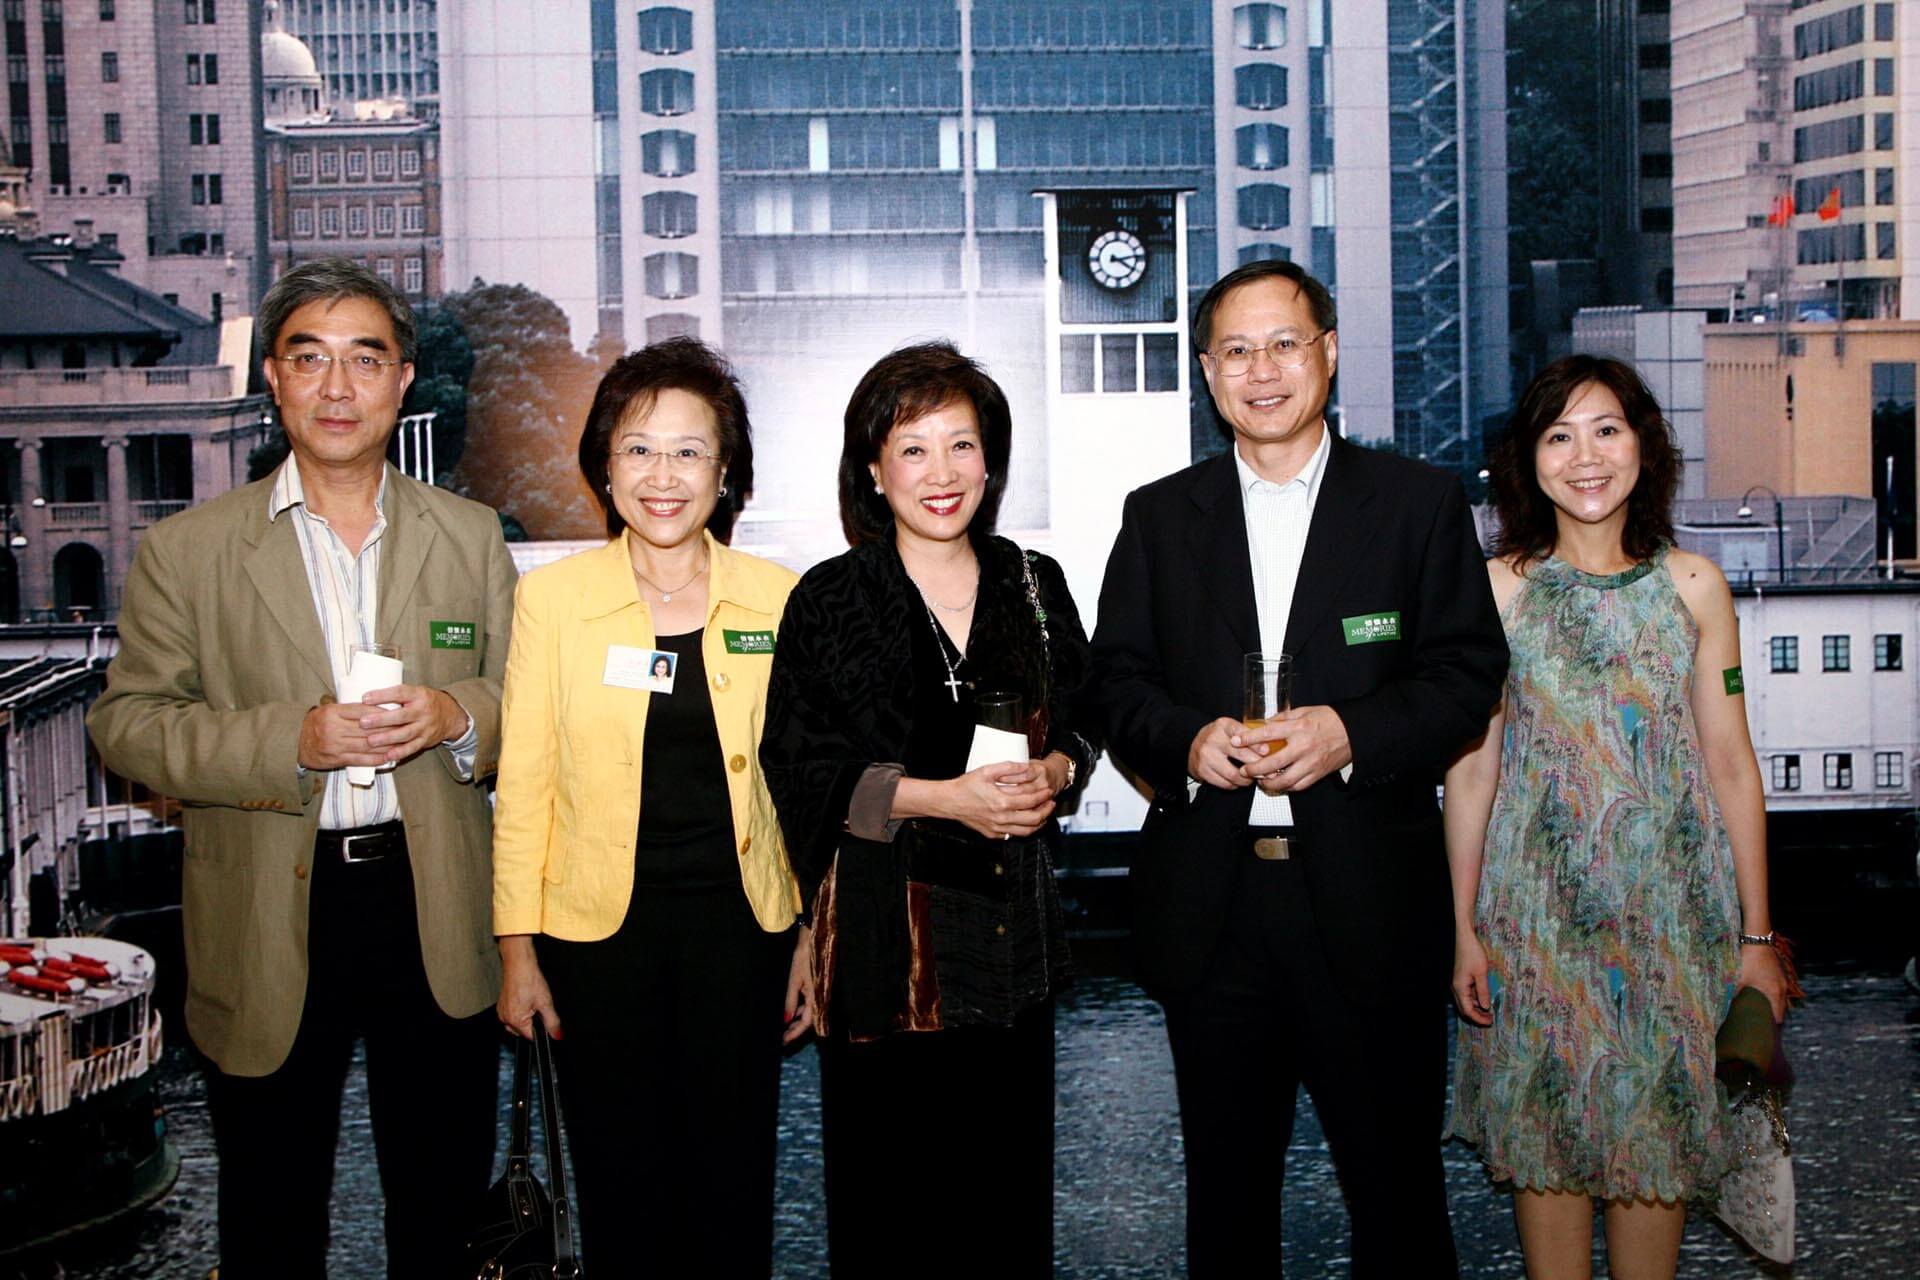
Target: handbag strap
x: 520, y: 1141
x: 565, y: 1267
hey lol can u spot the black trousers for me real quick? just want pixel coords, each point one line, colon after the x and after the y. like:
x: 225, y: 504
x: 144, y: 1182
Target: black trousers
x: 431, y: 1088
x: 939, y: 1152
x: 669, y: 1073
x: 1267, y: 1018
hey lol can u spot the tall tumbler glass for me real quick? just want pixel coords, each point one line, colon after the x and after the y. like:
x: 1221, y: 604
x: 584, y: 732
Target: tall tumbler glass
x: 1266, y: 689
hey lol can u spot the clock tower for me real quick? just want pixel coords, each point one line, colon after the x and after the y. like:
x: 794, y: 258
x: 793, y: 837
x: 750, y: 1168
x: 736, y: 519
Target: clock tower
x: 1118, y: 364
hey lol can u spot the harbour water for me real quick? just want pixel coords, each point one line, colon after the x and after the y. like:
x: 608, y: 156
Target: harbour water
x: 1119, y: 1191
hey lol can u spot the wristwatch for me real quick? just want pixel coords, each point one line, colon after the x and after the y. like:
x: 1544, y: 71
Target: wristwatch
x: 1073, y: 772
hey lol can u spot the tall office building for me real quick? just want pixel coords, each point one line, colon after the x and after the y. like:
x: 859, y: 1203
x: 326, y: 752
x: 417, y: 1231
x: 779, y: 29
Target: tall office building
x: 1635, y: 152
x: 141, y: 119
x: 378, y: 50
x: 811, y: 184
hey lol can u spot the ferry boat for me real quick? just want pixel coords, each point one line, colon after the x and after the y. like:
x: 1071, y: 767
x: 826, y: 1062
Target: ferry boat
x: 82, y: 1137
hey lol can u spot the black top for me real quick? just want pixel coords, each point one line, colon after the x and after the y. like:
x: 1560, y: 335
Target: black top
x: 858, y: 680
x: 686, y: 813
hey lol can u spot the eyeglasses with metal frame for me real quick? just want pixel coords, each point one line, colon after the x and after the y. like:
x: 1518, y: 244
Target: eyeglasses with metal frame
x: 314, y: 364
x: 684, y: 460
x: 1234, y: 358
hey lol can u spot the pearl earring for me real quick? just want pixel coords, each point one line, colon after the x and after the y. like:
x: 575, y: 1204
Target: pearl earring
x: 723, y: 491
x: 877, y: 488
x: 607, y: 487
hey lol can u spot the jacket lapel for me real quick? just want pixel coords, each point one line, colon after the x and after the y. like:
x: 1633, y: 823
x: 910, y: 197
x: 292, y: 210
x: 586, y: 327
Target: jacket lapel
x: 403, y: 553
x: 1217, y: 541
x: 280, y: 576
x: 1337, y: 540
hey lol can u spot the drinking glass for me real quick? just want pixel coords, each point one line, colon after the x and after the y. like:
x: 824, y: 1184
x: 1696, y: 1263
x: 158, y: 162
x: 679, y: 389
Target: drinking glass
x: 1000, y: 711
x: 1266, y: 689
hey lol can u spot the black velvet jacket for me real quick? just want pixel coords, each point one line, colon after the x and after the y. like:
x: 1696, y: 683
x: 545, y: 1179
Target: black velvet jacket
x: 858, y: 680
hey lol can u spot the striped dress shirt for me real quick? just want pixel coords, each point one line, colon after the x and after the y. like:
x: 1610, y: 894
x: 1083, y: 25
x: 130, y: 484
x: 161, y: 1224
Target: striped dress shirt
x: 1278, y: 516
x: 346, y: 593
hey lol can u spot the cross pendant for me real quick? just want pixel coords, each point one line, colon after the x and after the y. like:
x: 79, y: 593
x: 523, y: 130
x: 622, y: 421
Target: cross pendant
x: 953, y: 684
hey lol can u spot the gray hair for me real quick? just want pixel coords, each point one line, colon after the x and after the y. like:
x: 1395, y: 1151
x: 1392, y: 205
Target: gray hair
x: 330, y: 280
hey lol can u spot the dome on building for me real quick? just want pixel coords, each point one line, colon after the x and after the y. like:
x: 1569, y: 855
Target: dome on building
x: 289, y: 80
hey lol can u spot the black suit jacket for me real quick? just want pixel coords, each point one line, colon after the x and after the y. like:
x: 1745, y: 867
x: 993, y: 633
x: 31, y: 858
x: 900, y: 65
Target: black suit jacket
x: 1177, y: 611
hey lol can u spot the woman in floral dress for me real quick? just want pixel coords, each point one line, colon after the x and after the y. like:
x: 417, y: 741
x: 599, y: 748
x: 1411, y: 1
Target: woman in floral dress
x: 1607, y: 839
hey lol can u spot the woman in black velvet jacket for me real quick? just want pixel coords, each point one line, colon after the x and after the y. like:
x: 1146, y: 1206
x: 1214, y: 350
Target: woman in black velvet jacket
x: 938, y: 937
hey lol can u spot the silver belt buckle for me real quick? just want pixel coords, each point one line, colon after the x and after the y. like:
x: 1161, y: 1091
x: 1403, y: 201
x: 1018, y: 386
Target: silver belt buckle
x: 372, y: 838
x: 1272, y: 849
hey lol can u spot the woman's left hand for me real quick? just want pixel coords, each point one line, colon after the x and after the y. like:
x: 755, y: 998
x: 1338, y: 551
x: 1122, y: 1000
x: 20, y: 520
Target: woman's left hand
x: 799, y: 1008
x: 1760, y: 969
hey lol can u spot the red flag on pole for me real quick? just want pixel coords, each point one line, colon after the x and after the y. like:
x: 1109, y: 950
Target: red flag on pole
x: 1782, y: 212
x: 1830, y: 207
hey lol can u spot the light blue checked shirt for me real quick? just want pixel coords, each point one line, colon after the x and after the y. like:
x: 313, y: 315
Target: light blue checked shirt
x: 346, y: 593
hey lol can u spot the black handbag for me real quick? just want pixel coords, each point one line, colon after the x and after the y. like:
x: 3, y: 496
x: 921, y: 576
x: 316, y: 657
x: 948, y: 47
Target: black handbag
x: 528, y: 1233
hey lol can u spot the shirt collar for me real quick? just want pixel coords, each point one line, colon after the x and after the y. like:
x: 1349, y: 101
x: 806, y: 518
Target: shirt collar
x: 287, y: 491
x: 1309, y: 477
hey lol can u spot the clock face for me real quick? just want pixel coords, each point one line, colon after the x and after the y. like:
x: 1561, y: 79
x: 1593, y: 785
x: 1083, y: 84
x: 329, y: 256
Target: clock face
x: 1116, y: 259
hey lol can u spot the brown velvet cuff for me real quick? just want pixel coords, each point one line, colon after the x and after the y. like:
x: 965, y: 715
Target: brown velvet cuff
x: 869, y: 812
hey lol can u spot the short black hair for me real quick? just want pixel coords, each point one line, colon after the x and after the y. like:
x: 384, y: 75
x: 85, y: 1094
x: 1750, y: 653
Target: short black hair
x: 1529, y: 529
x: 906, y: 385
x: 330, y: 280
x: 1319, y: 300
x: 633, y: 382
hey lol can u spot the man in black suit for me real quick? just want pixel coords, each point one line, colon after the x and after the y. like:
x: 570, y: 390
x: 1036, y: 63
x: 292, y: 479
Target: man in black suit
x: 1291, y: 899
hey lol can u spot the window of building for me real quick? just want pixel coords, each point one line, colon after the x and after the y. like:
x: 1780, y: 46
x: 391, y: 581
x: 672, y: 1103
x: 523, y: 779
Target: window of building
x: 411, y: 275
x: 666, y: 91
x: 1656, y: 164
x: 356, y: 220
x: 303, y: 222
x: 199, y: 12
x: 197, y: 184
x: 1658, y: 217
x: 329, y: 164
x: 413, y: 218
x: 106, y: 10
x: 1823, y: 88
x: 1656, y: 110
x: 193, y: 68
x: 1786, y: 773
x: 1883, y: 131
x: 383, y: 219
x: 1835, y: 242
x: 110, y: 126
x: 118, y: 182
x: 1839, y: 770
x: 669, y: 214
x: 193, y: 13
x: 383, y: 164
x: 409, y: 163
x: 666, y: 30
x: 356, y: 166
x: 1160, y: 362
x: 213, y: 129
x: 109, y: 68
x: 1889, y: 769
x: 1842, y: 137
x: 302, y: 166
x: 213, y: 188
x: 1883, y: 77
x: 1260, y: 26
x: 1655, y: 57
x: 1886, y: 652
x: 1883, y: 240
x: 668, y: 153
x: 330, y: 222
x: 1883, y: 186
x: 1808, y: 193
x: 383, y: 267
x: 1265, y: 206
x: 1883, y: 22
x: 672, y: 275
x: 1260, y: 86
x: 1261, y: 146
x: 1834, y: 31
x: 196, y: 129
x: 212, y: 64
x: 1836, y: 653
x: 1264, y: 251
x: 1784, y: 652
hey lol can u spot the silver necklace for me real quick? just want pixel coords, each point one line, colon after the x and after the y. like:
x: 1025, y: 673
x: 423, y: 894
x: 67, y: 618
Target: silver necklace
x: 950, y: 608
x: 940, y: 642
x: 666, y: 597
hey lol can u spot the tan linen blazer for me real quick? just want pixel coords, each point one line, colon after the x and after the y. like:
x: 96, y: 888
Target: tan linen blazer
x: 568, y: 807
x: 220, y: 658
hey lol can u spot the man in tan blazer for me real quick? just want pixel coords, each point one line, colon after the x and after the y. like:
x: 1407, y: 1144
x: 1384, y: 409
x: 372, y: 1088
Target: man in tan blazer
x: 319, y: 912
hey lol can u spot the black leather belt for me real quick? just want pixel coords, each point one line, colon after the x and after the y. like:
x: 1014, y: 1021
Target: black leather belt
x: 362, y: 844
x: 1274, y: 844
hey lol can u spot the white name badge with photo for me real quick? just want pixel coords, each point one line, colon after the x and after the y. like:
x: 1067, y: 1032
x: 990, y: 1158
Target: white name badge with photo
x: 629, y: 667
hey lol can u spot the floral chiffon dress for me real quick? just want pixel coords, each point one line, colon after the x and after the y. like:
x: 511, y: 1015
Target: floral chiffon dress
x: 1607, y: 903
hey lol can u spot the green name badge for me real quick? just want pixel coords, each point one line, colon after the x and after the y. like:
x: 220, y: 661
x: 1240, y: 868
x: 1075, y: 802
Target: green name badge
x: 1735, y: 682
x: 1372, y: 628
x: 748, y: 641
x: 451, y: 635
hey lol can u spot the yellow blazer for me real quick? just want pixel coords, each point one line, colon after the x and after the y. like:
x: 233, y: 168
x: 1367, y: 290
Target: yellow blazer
x: 567, y: 805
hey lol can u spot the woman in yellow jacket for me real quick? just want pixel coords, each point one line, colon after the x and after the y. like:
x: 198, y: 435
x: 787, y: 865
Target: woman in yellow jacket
x: 642, y: 896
